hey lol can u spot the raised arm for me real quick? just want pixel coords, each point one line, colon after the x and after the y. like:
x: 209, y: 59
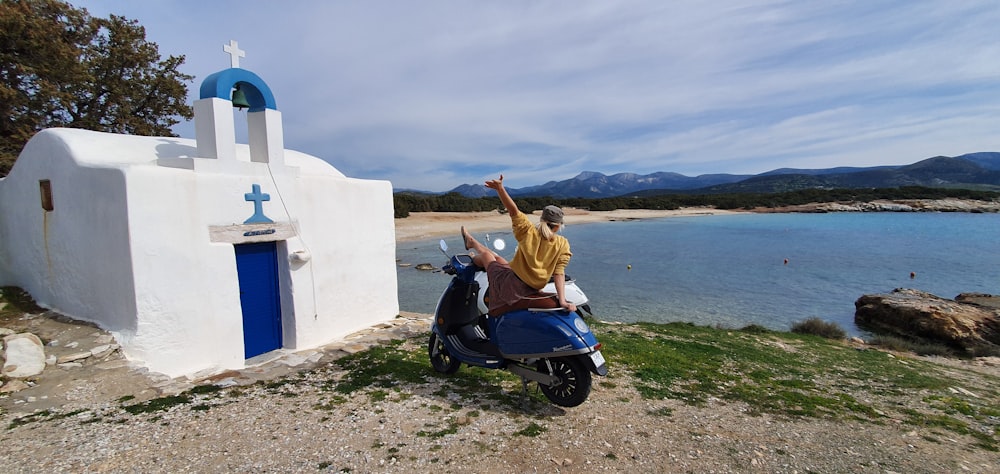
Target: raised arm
x: 497, y: 185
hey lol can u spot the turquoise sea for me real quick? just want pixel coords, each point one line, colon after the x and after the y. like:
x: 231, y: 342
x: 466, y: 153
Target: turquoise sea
x: 766, y: 269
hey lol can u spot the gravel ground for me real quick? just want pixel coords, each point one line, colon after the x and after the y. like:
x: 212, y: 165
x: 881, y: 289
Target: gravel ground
x: 296, y: 427
x: 296, y: 424
x: 268, y: 431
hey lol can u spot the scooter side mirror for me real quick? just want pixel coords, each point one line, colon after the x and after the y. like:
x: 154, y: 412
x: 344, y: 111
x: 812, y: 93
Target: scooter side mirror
x: 499, y: 244
x: 444, y: 247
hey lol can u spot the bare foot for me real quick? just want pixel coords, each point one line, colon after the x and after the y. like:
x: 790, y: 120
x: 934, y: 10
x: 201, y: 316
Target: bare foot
x: 467, y: 239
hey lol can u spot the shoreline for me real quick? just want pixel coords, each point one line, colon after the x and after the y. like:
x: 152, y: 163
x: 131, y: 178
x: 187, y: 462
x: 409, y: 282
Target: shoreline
x: 428, y: 225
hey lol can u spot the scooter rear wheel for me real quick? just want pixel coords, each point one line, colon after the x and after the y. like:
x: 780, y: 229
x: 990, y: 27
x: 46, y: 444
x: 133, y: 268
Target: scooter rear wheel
x: 574, y: 381
x: 441, y: 359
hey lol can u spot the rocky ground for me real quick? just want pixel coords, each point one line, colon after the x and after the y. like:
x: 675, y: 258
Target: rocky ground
x: 99, y: 414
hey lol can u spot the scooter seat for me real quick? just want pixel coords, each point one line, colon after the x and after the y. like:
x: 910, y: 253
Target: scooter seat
x: 538, y: 301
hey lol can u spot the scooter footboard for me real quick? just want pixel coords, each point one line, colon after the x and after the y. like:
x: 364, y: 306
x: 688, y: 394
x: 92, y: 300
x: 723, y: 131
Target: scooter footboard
x: 527, y: 334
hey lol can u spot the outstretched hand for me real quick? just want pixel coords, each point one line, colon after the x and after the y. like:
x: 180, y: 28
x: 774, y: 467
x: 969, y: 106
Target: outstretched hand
x: 495, y: 183
x: 508, y: 203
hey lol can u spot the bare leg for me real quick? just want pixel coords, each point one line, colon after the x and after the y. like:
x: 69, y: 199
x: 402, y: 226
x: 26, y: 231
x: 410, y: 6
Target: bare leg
x: 484, y: 256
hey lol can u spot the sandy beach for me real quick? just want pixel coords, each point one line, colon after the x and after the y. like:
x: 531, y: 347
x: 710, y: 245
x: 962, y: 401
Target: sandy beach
x: 428, y: 225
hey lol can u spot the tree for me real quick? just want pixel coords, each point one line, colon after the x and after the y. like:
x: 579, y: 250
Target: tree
x: 60, y: 67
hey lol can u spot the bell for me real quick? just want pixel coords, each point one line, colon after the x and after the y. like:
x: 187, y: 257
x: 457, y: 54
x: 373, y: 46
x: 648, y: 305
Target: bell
x: 240, y: 99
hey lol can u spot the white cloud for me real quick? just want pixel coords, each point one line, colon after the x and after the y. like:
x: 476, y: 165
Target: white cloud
x: 435, y: 94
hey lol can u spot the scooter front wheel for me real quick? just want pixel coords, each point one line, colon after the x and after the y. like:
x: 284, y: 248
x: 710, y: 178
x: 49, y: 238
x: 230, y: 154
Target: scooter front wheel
x: 574, y: 381
x: 441, y: 359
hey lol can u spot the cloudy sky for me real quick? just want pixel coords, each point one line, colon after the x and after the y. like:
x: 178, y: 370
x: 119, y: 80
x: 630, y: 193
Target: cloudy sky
x: 434, y: 94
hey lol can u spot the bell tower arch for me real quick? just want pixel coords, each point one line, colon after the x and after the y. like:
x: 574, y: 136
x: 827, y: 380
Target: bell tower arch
x: 215, y: 130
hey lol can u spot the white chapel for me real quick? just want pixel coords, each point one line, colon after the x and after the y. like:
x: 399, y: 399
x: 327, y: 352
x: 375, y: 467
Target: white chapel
x: 199, y: 254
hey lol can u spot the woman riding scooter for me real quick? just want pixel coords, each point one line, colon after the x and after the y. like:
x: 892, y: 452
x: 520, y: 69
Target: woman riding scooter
x: 541, y: 255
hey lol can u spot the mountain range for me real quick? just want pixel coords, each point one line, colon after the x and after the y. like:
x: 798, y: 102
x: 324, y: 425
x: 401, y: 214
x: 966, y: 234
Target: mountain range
x: 973, y: 170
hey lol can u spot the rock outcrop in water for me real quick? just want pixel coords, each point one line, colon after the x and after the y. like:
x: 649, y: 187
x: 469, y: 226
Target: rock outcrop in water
x: 971, y: 321
x: 915, y: 205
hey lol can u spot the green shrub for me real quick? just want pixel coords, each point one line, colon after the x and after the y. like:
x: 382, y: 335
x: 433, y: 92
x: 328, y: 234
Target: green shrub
x: 984, y: 350
x: 818, y: 327
x: 755, y: 329
x: 919, y: 347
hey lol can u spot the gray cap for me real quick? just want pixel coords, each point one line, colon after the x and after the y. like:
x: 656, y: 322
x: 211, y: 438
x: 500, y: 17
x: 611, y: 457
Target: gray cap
x: 552, y: 214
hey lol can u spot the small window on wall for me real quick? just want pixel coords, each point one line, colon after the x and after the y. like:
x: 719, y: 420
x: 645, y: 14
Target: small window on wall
x: 45, y: 186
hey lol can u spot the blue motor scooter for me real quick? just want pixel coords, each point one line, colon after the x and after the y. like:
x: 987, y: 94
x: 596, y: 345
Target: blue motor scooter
x: 553, y: 347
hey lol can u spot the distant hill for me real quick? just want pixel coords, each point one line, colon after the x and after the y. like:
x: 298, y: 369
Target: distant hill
x: 988, y: 160
x: 973, y: 170
x: 474, y: 191
x: 593, y: 184
x: 838, y: 170
x: 940, y: 171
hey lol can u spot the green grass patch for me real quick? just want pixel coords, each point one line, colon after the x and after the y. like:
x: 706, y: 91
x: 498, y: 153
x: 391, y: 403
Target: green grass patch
x: 205, y: 389
x: 382, y: 366
x: 793, y: 375
x: 452, y: 428
x: 157, y: 404
x: 18, y: 302
x: 37, y: 416
x: 382, y: 370
x: 664, y: 411
x: 919, y: 347
x: 951, y: 405
x: 533, y: 429
x: 770, y: 372
x: 331, y: 404
x: 44, y: 415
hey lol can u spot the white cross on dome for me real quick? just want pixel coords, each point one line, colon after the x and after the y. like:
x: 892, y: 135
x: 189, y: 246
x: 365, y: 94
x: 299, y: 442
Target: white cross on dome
x: 235, y: 53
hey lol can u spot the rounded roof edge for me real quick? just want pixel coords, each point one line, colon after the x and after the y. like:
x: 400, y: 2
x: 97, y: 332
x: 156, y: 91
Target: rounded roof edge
x: 102, y: 149
x: 313, y: 165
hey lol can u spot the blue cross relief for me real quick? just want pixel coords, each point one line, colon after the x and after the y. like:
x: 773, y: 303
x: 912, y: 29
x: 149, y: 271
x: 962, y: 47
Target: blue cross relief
x: 258, y: 199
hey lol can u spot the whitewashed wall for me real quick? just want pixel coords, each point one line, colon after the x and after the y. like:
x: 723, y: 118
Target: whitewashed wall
x: 75, y: 258
x: 128, y: 245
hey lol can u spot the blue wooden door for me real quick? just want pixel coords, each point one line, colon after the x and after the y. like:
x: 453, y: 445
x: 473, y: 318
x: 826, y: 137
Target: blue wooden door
x: 257, y: 266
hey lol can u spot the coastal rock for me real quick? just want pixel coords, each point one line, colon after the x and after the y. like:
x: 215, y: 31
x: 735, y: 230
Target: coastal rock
x: 982, y: 299
x: 24, y: 355
x: 873, y: 206
x: 425, y: 266
x: 916, y: 314
x: 955, y: 205
x: 73, y: 357
x: 903, y: 205
x: 15, y: 385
